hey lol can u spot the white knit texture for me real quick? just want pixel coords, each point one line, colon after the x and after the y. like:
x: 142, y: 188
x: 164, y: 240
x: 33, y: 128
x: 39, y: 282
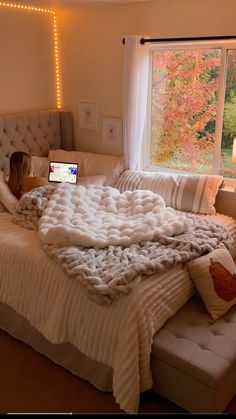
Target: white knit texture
x: 102, y: 216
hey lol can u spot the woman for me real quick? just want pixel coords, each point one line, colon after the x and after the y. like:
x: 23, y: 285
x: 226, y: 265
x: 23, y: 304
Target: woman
x: 20, y: 178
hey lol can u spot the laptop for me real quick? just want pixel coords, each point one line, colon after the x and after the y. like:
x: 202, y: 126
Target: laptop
x: 63, y: 172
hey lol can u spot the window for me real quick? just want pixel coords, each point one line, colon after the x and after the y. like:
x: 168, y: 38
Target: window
x: 191, y: 121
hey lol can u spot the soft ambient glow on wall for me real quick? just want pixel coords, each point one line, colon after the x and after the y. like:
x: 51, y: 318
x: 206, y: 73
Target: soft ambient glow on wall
x: 55, y: 37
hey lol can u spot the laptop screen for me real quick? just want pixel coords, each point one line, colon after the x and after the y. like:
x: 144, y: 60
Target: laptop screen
x: 63, y: 172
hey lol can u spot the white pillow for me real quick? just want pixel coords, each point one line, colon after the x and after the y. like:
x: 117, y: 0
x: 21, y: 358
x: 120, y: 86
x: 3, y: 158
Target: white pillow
x: 7, y: 199
x: 97, y: 180
x: 91, y: 164
x: 40, y: 166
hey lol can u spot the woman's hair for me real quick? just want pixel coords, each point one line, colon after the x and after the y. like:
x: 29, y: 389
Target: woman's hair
x: 20, y: 167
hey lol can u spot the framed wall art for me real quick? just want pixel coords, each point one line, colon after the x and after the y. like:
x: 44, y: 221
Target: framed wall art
x: 112, y: 131
x: 87, y: 115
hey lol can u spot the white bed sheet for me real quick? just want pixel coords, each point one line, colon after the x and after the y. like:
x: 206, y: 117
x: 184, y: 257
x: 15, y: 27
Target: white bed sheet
x: 119, y: 335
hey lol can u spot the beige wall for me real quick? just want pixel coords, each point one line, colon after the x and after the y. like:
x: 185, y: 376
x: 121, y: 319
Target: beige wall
x: 27, y: 76
x: 92, y: 51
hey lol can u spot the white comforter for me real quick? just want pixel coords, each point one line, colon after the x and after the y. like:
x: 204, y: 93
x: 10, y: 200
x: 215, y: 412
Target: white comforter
x: 102, y: 216
x: 119, y: 335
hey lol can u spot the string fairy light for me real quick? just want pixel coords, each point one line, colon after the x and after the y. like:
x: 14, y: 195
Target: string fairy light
x: 55, y: 39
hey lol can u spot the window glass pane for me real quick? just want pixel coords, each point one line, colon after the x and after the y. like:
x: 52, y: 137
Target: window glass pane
x: 227, y: 168
x: 184, y: 102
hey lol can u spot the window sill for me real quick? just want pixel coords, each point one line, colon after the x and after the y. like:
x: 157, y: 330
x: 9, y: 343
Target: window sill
x: 229, y: 183
x: 228, y: 188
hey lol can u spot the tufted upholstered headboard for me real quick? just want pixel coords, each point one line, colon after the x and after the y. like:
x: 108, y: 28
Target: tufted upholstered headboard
x: 34, y: 132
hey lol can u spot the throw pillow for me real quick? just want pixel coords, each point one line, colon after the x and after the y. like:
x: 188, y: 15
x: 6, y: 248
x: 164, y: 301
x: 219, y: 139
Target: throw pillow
x: 91, y: 164
x: 186, y: 192
x: 214, y: 276
x: 7, y: 199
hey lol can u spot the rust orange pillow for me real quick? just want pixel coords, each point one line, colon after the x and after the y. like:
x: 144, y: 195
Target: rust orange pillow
x: 214, y: 276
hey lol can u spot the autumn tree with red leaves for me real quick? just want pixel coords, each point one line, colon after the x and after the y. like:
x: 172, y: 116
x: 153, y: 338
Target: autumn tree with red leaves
x: 184, y: 104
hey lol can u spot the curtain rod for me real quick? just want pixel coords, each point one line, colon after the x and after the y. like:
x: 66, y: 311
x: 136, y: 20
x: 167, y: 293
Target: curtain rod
x: 197, y: 38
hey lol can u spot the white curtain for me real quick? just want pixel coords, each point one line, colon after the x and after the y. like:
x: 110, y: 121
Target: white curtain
x: 136, y: 71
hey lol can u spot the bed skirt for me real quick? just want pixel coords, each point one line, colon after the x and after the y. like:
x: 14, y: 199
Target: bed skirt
x: 63, y: 354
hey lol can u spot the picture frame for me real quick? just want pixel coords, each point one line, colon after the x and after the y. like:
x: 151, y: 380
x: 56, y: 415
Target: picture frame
x: 112, y: 131
x: 87, y: 115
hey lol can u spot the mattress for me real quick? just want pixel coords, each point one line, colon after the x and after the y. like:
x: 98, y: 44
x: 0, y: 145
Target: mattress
x: 118, y: 336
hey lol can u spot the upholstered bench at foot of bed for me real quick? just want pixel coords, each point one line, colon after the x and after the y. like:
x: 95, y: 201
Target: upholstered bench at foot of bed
x: 194, y: 360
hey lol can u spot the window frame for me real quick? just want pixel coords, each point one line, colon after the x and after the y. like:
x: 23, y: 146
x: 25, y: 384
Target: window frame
x: 224, y: 46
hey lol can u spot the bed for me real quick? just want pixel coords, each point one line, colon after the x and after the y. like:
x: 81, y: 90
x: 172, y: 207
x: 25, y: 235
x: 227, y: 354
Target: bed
x: 40, y: 304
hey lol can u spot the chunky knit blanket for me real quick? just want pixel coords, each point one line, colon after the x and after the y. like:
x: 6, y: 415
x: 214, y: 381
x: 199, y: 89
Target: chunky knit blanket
x: 109, y: 240
x: 31, y: 206
x: 103, y: 216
